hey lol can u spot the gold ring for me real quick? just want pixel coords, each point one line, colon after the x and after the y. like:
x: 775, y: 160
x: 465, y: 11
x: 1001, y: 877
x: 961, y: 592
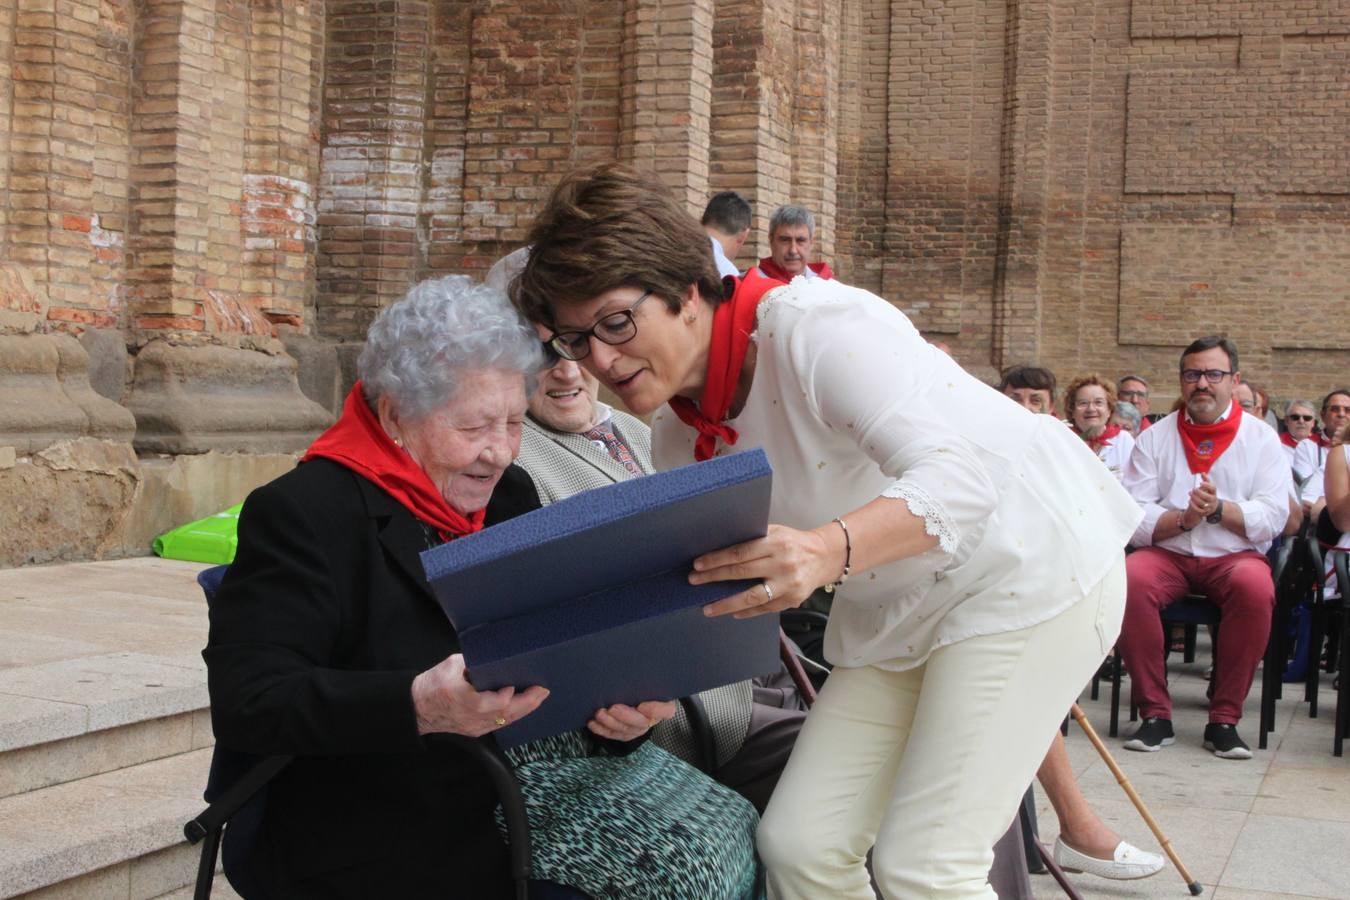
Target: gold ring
x: 500, y: 721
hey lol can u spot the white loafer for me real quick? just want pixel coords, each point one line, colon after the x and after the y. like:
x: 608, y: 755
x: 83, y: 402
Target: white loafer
x: 1128, y: 862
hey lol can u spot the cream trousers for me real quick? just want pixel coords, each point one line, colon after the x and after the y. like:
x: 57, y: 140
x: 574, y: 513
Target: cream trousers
x: 929, y: 764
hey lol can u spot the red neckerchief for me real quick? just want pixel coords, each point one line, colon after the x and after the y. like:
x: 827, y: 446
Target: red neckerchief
x: 1204, y: 444
x: 773, y: 270
x: 1321, y: 439
x: 1288, y: 439
x: 733, y: 323
x: 1101, y: 440
x: 357, y: 441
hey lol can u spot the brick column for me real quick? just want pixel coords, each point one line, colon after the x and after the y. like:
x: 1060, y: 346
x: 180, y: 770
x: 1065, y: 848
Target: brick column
x: 47, y: 156
x: 860, y: 223
x: 754, y: 74
x: 667, y: 89
x: 209, y: 372
x: 1024, y: 171
x: 815, y: 118
x: 370, y: 185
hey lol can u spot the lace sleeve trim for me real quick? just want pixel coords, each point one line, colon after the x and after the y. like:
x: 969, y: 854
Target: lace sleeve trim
x: 936, y: 522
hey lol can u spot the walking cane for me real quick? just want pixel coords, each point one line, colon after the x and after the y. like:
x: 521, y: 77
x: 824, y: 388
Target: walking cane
x: 1130, y: 792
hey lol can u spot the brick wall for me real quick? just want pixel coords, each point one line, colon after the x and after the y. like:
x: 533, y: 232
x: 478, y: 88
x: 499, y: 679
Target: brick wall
x: 1085, y: 183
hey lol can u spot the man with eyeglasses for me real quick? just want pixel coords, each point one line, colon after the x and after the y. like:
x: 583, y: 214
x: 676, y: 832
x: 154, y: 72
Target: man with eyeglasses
x: 1215, y: 489
x: 1310, y: 456
x: 1134, y: 389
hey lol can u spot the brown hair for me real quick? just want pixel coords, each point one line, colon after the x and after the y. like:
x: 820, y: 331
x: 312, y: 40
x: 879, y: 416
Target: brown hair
x: 1083, y: 381
x: 608, y: 226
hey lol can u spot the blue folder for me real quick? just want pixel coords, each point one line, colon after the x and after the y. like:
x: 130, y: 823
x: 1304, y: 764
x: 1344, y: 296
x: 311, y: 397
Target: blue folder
x: 589, y: 596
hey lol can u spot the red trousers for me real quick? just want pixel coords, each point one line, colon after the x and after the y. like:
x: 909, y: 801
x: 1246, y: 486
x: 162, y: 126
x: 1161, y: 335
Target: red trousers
x: 1239, y: 584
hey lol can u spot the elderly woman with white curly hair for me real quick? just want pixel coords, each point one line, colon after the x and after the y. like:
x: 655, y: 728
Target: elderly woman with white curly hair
x: 327, y: 644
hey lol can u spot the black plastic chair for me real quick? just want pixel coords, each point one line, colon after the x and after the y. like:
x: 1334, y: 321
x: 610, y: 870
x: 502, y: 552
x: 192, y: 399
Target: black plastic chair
x: 236, y: 792
x: 1340, y: 560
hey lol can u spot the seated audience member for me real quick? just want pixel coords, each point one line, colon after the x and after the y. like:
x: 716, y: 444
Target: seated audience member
x: 1300, y: 422
x: 1031, y: 386
x: 1085, y: 842
x: 726, y: 219
x: 327, y: 644
x: 571, y: 443
x: 792, y: 236
x: 1215, y: 490
x: 1090, y: 403
x: 1310, y: 456
x: 1127, y: 417
x: 1135, y: 389
x: 1334, y: 506
x: 1262, y: 408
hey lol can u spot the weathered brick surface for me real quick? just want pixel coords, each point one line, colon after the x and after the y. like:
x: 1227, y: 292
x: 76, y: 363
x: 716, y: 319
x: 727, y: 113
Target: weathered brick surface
x: 1046, y: 179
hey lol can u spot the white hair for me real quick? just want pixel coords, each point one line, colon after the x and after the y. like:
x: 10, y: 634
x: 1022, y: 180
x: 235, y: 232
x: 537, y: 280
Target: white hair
x: 418, y: 349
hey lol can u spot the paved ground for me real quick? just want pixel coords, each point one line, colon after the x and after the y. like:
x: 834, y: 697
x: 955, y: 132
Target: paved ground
x: 1274, y: 826
x: 1277, y: 825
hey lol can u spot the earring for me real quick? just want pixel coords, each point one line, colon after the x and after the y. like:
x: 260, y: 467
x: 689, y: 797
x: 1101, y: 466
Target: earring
x: 691, y: 318
x: 398, y: 442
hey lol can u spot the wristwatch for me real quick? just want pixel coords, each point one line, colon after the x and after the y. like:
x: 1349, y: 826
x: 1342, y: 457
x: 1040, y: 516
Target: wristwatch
x: 1216, y: 517
x: 1181, y: 521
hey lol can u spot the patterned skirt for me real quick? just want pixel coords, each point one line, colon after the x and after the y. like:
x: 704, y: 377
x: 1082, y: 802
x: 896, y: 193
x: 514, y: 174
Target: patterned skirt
x: 645, y: 826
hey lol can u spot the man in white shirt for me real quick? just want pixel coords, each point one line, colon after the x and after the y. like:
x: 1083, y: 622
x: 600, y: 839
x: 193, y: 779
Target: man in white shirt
x: 792, y: 238
x: 1215, y: 489
x: 726, y: 219
x: 1310, y: 456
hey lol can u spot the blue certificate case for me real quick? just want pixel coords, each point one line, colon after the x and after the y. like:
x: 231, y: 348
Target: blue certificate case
x: 589, y: 596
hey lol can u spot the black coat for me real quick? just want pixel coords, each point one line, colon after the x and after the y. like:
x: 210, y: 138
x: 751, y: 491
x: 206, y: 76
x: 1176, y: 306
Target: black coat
x: 319, y: 628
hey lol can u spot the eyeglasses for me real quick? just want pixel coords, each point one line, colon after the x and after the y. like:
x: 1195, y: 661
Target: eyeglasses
x: 1300, y: 417
x: 614, y: 329
x: 1090, y: 404
x: 1213, y: 376
x: 1132, y: 395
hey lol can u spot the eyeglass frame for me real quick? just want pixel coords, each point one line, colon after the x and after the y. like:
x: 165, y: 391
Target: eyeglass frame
x: 1300, y: 417
x: 1132, y: 395
x: 1095, y: 403
x: 556, y: 342
x: 1193, y: 376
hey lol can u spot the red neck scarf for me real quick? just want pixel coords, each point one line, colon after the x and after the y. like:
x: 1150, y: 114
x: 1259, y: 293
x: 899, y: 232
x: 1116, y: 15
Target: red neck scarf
x: 1288, y: 439
x: 1204, y: 444
x: 1101, y: 440
x: 357, y: 441
x: 733, y: 323
x: 1322, y: 439
x: 773, y: 270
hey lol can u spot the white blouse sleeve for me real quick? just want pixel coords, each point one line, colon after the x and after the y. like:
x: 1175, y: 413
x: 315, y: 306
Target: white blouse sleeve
x: 866, y: 372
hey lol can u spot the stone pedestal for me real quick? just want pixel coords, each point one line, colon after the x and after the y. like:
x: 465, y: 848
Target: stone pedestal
x: 45, y: 395
x: 194, y: 399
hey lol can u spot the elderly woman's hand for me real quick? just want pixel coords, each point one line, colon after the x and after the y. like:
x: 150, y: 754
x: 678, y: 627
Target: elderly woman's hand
x: 627, y: 723
x: 445, y: 701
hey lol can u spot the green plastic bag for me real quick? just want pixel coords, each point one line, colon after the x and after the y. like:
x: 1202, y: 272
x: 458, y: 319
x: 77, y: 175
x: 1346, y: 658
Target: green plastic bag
x: 209, y: 540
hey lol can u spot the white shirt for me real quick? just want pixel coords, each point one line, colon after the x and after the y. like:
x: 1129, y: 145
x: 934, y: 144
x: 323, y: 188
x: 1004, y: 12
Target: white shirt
x: 725, y: 266
x: 1310, y: 468
x: 1252, y: 473
x: 851, y: 403
x: 1116, y: 453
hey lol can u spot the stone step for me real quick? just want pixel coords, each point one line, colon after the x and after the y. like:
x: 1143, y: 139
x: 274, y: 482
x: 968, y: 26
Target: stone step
x: 100, y: 668
x: 118, y: 834
x: 71, y: 719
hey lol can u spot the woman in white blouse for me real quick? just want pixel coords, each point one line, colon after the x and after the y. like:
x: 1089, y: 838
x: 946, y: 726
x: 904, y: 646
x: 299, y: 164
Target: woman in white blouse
x: 975, y: 548
x: 1090, y: 404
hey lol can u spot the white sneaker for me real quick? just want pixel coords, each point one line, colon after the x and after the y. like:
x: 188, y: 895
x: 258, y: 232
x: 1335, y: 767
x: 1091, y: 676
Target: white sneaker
x: 1128, y: 862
